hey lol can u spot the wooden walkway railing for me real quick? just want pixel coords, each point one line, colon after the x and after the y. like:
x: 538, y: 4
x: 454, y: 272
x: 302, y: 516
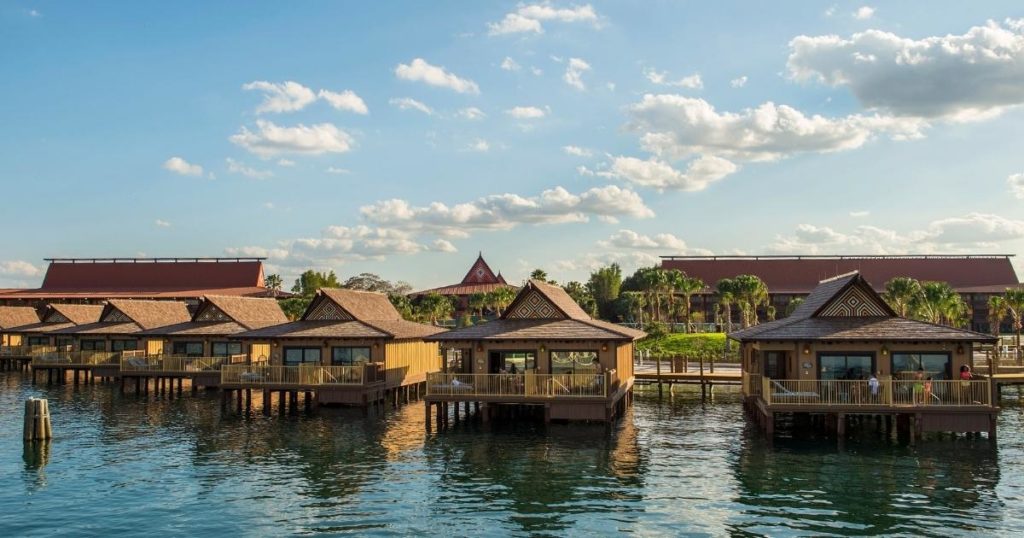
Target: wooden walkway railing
x: 25, y: 351
x: 527, y: 385
x: 889, y: 393
x: 305, y: 375
x: 177, y: 363
x: 74, y: 358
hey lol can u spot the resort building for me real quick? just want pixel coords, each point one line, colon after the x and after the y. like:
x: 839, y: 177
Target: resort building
x: 544, y: 351
x: 479, y: 279
x: 349, y: 347
x: 213, y: 328
x: 844, y: 352
x: 121, y: 325
x: 94, y: 280
x: 15, y: 316
x: 55, y: 317
x: 975, y: 277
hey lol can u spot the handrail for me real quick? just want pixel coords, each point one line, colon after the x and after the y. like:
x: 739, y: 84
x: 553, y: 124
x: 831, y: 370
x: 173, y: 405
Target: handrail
x: 886, y: 392
x: 176, y: 363
x: 75, y: 358
x: 302, y: 375
x: 526, y: 385
x: 27, y: 351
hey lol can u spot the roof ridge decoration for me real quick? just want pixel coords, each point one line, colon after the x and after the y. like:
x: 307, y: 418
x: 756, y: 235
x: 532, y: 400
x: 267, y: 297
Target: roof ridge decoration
x: 210, y: 312
x: 52, y: 315
x: 115, y: 315
x: 480, y: 273
x: 855, y: 299
x: 540, y: 300
x: 326, y: 309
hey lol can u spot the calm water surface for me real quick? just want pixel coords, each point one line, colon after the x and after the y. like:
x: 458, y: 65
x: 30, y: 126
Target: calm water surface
x: 136, y: 466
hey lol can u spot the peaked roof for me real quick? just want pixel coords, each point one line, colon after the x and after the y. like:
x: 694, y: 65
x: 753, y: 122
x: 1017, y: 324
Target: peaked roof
x: 58, y: 317
x: 846, y: 307
x: 543, y: 311
x: 129, y: 316
x: 14, y: 316
x: 221, y: 315
x: 360, y: 305
x: 481, y: 273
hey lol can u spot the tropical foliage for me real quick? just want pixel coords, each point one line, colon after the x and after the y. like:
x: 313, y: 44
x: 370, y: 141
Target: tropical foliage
x: 934, y: 302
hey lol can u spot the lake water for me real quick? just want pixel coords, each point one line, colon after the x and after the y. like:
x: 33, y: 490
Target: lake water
x: 136, y: 466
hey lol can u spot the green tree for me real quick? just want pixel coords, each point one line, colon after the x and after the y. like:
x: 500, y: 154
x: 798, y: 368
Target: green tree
x: 688, y: 287
x: 604, y: 285
x: 750, y: 292
x: 478, y: 302
x: 725, y: 289
x: 651, y: 281
x: 433, y: 307
x: 310, y: 281
x: 582, y: 296
x: 997, y: 311
x: 793, y: 304
x: 939, y: 303
x: 633, y: 305
x: 539, y: 274
x: 273, y: 282
x: 500, y: 298
x: 902, y: 293
x: 1015, y: 303
x: 294, y: 307
x: 372, y: 282
x: 404, y: 306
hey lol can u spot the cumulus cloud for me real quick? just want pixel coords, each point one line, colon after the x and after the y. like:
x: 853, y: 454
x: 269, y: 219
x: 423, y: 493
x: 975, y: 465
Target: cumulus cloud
x: 270, y: 139
x: 408, y: 103
x: 693, y: 81
x: 508, y: 64
x: 285, y: 162
x: 577, y: 151
x: 506, y: 211
x: 443, y: 245
x: 287, y: 96
x: 479, y: 145
x: 738, y: 82
x: 661, y: 176
x: 574, y: 73
x: 629, y: 239
x: 346, y: 100
x: 960, y: 77
x: 420, y: 71
x: 675, y: 126
x: 864, y: 13
x: 183, y: 167
x: 528, y: 17
x: 236, y: 167
x: 162, y: 223
x: 591, y: 261
x: 472, y: 113
x: 526, y: 112
x: 19, y: 268
x: 338, y: 245
x: 1016, y: 183
x: 338, y: 171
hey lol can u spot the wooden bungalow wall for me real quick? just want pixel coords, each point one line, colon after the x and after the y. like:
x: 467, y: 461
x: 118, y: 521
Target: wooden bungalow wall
x: 408, y: 362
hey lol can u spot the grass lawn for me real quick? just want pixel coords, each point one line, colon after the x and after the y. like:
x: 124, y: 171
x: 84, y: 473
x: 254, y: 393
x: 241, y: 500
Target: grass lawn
x: 685, y: 344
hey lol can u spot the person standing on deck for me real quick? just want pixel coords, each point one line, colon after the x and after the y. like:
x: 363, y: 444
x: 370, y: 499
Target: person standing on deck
x: 873, y: 387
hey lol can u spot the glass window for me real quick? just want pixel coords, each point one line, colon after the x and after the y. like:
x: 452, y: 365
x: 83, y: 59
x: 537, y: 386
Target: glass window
x: 517, y: 362
x: 459, y: 361
x: 226, y: 349
x: 349, y: 356
x: 188, y: 349
x: 38, y: 340
x: 845, y: 366
x: 294, y: 356
x: 933, y: 365
x: 65, y: 342
x: 124, y: 345
x: 93, y: 345
x: 573, y: 362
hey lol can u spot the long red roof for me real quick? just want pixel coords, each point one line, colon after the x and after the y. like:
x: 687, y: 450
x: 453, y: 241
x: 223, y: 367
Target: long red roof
x: 801, y: 274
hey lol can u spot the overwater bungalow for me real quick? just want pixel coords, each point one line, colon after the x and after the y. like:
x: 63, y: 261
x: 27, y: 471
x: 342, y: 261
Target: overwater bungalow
x: 11, y: 349
x: 39, y: 334
x: 545, y: 352
x: 349, y: 347
x: 844, y: 352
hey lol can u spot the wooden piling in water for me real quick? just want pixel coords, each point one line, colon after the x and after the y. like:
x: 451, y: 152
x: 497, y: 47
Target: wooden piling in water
x: 37, y: 420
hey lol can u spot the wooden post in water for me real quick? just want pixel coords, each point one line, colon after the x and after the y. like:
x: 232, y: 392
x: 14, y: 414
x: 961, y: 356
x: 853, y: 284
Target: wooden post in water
x: 657, y: 368
x: 37, y: 420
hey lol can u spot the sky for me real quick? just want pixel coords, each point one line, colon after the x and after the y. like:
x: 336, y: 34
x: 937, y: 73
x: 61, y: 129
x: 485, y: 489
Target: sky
x: 402, y: 138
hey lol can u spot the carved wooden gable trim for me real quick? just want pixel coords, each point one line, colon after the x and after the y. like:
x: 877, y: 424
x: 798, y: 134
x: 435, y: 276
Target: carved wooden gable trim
x: 328, y: 310
x: 116, y: 316
x: 534, y: 306
x: 212, y: 313
x: 56, y: 317
x: 854, y: 302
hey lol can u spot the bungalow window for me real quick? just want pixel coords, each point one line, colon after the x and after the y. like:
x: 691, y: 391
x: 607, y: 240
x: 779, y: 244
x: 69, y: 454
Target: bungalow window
x: 573, y: 362
x: 124, y: 345
x: 38, y: 340
x: 934, y: 365
x: 65, y: 342
x: 294, y: 356
x: 226, y: 349
x: 846, y: 366
x: 514, y: 361
x: 93, y: 345
x: 459, y: 361
x: 350, y: 356
x: 187, y: 349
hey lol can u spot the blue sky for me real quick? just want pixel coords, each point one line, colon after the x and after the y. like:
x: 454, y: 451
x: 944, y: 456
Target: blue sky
x: 403, y: 138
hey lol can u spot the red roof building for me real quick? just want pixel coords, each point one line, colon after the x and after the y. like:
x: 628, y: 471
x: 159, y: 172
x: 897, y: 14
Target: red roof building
x: 479, y: 279
x: 188, y: 279
x: 976, y: 277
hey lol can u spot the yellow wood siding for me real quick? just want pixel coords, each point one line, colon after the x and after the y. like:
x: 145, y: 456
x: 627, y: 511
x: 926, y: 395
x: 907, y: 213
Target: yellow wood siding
x: 624, y: 361
x: 409, y: 362
x: 14, y: 340
x: 154, y: 347
x: 259, y: 352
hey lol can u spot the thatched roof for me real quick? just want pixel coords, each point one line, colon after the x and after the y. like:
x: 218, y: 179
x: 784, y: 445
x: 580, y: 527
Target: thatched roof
x: 251, y: 313
x: 362, y: 305
x: 15, y: 316
x: 129, y: 316
x: 75, y: 313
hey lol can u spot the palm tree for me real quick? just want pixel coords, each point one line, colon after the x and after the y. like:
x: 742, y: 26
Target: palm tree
x: 273, y: 282
x: 1015, y: 303
x: 751, y: 292
x: 900, y: 293
x: 652, y: 282
x: 539, y: 274
x: 635, y: 302
x: 501, y: 298
x: 726, y: 291
x: 793, y: 304
x: 687, y: 288
x: 997, y: 310
x: 672, y: 280
x: 477, y: 303
x: 938, y: 302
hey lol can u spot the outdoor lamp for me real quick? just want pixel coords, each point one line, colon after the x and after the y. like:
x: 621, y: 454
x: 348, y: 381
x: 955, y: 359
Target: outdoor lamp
x: 959, y: 349
x: 604, y: 347
x: 885, y: 351
x: 807, y: 349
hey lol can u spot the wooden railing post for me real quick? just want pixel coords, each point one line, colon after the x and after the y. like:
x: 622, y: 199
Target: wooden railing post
x: 766, y: 392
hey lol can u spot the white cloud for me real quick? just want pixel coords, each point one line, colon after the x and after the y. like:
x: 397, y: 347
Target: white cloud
x: 443, y: 245
x: 337, y: 171
x: 19, y: 268
x: 268, y: 205
x: 288, y: 96
x: 675, y: 126
x: 632, y: 240
x: 479, y: 145
x: 959, y: 77
x: 346, y: 100
x: 527, y: 18
x: 577, y: 151
x: 738, y: 82
x: 508, y: 64
x: 1016, y: 183
x: 421, y: 71
x: 408, y: 103
x: 506, y: 211
x: 34, y: 13
x: 574, y: 73
x: 860, y: 214
x: 693, y: 81
x: 526, y: 112
x: 183, y: 167
x: 270, y: 139
x: 236, y: 167
x: 591, y: 261
x: 472, y: 113
x: 162, y: 223
x: 975, y: 228
x: 285, y: 162
x: 864, y: 13
x: 662, y: 176
x: 536, y: 71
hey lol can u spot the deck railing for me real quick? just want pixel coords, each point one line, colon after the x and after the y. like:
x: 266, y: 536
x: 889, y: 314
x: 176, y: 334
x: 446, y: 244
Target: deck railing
x: 177, y: 363
x: 75, y: 358
x: 887, y: 393
x: 302, y: 375
x: 27, y: 351
x: 528, y: 385
x: 751, y: 382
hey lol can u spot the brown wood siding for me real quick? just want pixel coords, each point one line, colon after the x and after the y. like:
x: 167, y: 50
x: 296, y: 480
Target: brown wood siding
x: 409, y: 362
x: 624, y: 361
